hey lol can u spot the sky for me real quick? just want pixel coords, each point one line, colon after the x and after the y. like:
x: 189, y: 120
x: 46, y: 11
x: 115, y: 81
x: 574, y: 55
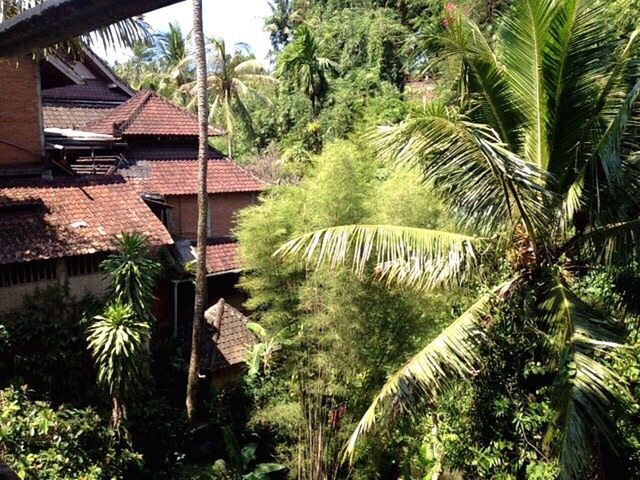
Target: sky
x: 234, y: 20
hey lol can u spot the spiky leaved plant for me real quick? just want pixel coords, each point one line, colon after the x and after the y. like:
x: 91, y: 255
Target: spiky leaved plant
x: 118, y: 344
x: 537, y: 164
x: 132, y: 273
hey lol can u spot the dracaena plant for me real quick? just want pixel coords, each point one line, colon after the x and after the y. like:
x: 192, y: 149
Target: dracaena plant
x: 118, y: 344
x: 537, y: 164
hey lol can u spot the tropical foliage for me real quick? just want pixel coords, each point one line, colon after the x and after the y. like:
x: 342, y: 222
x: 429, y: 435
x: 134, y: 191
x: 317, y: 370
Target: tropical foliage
x: 531, y: 158
x: 133, y: 273
x: 230, y: 79
x: 40, y: 441
x: 302, y: 64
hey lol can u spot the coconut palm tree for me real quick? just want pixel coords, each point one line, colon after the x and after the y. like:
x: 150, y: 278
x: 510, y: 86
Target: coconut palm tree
x: 174, y: 63
x: 200, y: 300
x: 122, y: 34
x: 231, y: 78
x: 536, y: 165
x: 118, y: 343
x: 280, y: 23
x: 301, y: 63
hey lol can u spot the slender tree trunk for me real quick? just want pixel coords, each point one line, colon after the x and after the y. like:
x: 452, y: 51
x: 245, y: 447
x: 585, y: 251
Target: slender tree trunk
x: 229, y: 149
x: 118, y: 412
x: 200, y: 301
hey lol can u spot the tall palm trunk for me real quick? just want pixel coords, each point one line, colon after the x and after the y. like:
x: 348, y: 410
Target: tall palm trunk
x: 200, y: 301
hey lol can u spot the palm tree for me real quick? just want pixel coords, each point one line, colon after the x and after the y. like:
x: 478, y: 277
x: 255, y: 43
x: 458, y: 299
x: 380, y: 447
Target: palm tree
x: 200, y: 300
x: 280, y: 23
x: 133, y: 274
x: 173, y: 63
x: 118, y: 343
x: 124, y: 33
x: 231, y: 78
x: 301, y: 63
x: 536, y: 165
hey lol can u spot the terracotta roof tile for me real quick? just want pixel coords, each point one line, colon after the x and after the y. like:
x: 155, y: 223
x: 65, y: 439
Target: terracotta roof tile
x: 222, y: 257
x: 147, y: 113
x: 234, y: 337
x: 180, y: 177
x: 43, y: 219
x: 71, y: 117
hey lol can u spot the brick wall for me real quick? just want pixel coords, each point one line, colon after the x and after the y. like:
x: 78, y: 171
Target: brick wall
x: 20, y: 114
x: 223, y: 208
x: 183, y: 217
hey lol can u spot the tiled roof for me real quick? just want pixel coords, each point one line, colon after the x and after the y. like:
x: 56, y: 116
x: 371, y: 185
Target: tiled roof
x: 43, y: 219
x: 91, y: 91
x: 233, y: 337
x: 180, y: 177
x: 71, y: 117
x: 222, y: 257
x: 147, y: 113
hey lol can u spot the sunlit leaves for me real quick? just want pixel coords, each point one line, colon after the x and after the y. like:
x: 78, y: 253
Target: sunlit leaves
x: 118, y: 343
x: 420, y: 258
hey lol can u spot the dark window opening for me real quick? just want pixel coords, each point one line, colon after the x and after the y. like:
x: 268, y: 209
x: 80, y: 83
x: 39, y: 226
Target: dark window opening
x: 84, y: 264
x: 27, y: 272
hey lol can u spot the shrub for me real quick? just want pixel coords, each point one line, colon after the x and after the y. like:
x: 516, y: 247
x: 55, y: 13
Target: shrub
x: 41, y: 442
x: 47, y: 348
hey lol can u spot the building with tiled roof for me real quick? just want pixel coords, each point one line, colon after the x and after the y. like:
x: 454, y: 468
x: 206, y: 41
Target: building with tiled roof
x: 145, y: 149
x: 60, y: 229
x: 148, y: 114
x: 180, y: 177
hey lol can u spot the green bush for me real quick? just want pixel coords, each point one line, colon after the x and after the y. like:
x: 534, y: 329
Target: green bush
x: 47, y: 349
x: 41, y: 442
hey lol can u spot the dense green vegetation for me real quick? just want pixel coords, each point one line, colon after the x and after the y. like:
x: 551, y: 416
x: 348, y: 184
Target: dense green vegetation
x: 472, y: 269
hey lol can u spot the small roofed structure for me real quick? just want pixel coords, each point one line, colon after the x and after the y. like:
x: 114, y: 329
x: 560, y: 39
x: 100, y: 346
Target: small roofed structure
x: 227, y: 342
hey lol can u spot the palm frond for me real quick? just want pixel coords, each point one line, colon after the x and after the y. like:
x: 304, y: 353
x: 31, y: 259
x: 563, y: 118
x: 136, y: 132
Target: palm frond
x: 251, y: 66
x: 573, y: 70
x: 485, y: 185
x: 614, y: 243
x: 523, y: 42
x: 608, y: 150
x: 420, y: 258
x: 452, y: 354
x: 488, y: 83
x: 586, y: 387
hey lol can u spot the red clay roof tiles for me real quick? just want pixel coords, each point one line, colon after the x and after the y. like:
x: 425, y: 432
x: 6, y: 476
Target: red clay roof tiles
x: 43, y: 219
x: 222, y: 257
x: 149, y: 114
x: 234, y: 337
x: 71, y: 117
x: 180, y: 177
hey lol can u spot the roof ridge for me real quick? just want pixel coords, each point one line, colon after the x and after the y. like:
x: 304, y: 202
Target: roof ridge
x: 191, y: 114
x: 120, y: 127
